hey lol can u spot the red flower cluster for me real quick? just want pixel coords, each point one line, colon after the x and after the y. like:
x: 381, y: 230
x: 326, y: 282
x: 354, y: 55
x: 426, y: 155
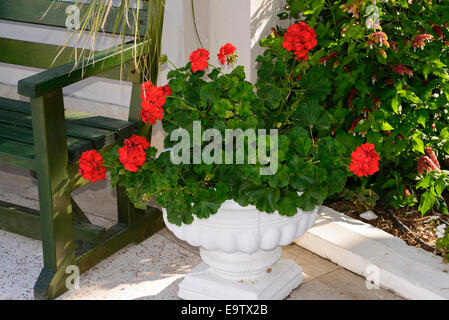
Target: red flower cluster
x: 438, y: 31
x: 198, y: 60
x: 352, y: 95
x: 153, y: 98
x: 90, y: 166
x: 332, y: 55
x: 388, y: 82
x: 401, y: 70
x: 428, y: 163
x: 227, y: 53
x: 393, y: 45
x: 364, y: 160
x: 352, y: 8
x: 378, y: 37
x: 132, y: 155
x: 354, y: 124
x: 419, y: 41
x: 300, y: 39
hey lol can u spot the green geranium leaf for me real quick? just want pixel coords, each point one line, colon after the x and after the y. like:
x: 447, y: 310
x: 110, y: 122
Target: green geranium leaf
x: 264, y: 198
x: 304, y: 174
x: 280, y: 178
x: 301, y: 140
x: 209, y: 92
x: 222, y: 107
x: 207, y: 203
x: 312, y: 197
x: 308, y: 114
x: 316, y: 84
x: 271, y: 95
x: 288, y: 204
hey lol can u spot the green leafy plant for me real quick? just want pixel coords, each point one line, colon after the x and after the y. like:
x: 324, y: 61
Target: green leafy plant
x: 310, y: 165
x: 380, y: 71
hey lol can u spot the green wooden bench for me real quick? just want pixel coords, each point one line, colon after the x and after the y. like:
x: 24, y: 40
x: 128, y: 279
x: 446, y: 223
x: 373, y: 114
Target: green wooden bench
x: 43, y: 137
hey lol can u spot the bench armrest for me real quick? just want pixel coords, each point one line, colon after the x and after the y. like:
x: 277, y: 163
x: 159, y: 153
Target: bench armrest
x: 59, y: 77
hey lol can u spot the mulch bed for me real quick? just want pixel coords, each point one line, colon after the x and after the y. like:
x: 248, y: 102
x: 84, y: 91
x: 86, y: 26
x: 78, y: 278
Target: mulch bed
x: 405, y: 223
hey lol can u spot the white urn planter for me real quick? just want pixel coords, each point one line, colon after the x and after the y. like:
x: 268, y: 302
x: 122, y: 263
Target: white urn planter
x: 241, y: 253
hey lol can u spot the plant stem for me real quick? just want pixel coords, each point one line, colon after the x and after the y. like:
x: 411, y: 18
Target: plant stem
x: 194, y: 23
x: 172, y: 64
x: 311, y: 136
x: 215, y: 67
x: 186, y: 104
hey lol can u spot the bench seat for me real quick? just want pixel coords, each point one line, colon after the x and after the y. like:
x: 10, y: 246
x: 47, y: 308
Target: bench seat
x: 84, y: 132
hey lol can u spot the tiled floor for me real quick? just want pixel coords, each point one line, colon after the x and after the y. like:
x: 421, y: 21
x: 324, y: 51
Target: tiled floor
x: 149, y: 270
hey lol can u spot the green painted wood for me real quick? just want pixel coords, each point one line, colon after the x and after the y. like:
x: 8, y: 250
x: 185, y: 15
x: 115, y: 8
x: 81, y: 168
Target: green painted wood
x: 17, y: 154
x: 32, y: 11
x: 17, y: 52
x: 123, y: 129
x: 127, y: 213
x: 21, y: 220
x: 15, y: 105
x: 135, y: 104
x: 117, y: 237
x: 77, y: 213
x: 156, y: 9
x: 26, y: 221
x: 67, y: 74
x: 56, y: 176
x: 75, y: 146
x: 50, y: 146
x: 100, y: 138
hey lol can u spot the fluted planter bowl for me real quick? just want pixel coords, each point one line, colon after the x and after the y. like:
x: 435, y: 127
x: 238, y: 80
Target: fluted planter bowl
x: 241, y: 253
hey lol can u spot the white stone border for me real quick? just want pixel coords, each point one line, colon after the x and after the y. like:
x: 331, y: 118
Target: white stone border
x: 410, y: 272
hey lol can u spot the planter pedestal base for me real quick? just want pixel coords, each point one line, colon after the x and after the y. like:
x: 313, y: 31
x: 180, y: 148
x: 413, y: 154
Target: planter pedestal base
x: 203, y: 283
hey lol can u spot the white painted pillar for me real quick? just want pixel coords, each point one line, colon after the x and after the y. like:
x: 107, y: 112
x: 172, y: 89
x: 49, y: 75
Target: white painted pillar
x: 241, y: 22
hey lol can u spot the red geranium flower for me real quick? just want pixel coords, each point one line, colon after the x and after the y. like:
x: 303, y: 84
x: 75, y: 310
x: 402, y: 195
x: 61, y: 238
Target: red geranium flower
x: 166, y: 90
x: 132, y: 155
x: 198, y: 59
x: 150, y: 113
x: 364, y: 160
x: 153, y: 98
x: 90, y: 166
x: 153, y: 94
x: 227, y: 53
x: 300, y: 39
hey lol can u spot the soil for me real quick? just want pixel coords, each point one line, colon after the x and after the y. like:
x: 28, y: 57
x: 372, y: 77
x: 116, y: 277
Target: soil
x: 405, y: 223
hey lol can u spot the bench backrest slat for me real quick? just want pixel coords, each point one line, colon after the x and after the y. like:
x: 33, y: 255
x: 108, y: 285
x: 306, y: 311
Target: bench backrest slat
x: 32, y: 11
x: 18, y: 52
